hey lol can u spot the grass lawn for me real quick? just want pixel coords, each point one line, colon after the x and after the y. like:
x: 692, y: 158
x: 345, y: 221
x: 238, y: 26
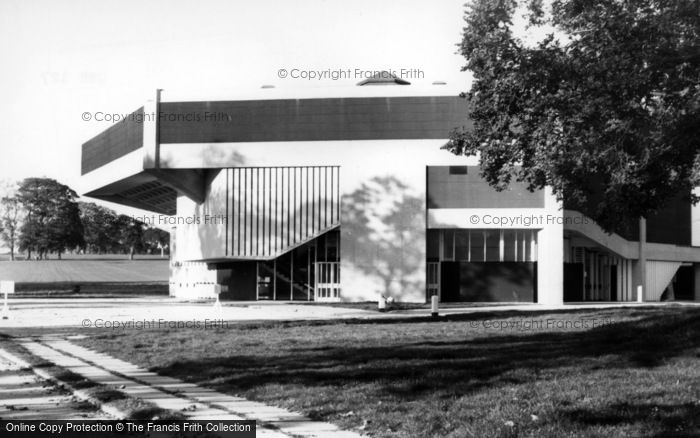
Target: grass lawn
x: 80, y: 289
x: 114, y: 268
x: 457, y: 377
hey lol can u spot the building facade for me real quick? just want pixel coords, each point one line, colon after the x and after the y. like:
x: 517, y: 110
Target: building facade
x: 349, y: 197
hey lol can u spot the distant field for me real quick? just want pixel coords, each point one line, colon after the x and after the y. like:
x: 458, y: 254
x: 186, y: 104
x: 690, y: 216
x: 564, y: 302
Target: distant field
x: 103, y: 268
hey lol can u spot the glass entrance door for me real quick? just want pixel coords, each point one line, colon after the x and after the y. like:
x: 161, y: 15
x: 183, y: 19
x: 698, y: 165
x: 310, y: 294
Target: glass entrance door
x: 327, y: 281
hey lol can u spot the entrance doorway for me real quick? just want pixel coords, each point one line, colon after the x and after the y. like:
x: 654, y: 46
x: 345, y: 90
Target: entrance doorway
x: 306, y: 273
x: 327, y: 281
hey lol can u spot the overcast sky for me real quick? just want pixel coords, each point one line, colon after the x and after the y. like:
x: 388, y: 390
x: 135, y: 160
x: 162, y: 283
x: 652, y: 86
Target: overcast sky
x: 62, y: 58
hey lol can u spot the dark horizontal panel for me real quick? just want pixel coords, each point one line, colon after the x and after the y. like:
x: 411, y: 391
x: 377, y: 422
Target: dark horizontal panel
x: 468, y: 190
x: 312, y: 119
x: 117, y: 141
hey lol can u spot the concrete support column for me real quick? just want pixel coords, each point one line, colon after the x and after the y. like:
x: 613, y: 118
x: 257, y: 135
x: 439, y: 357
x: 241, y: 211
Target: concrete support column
x: 642, y: 264
x: 550, y: 254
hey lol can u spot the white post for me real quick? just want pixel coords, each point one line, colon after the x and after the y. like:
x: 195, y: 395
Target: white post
x: 640, y: 294
x: 6, y: 287
x: 5, y: 309
x: 217, y: 303
x: 434, y: 306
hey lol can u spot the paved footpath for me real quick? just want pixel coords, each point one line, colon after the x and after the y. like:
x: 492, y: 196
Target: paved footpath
x: 25, y: 396
x: 193, y: 401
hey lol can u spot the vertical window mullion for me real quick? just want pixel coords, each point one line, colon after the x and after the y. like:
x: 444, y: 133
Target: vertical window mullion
x: 332, y: 195
x: 306, y: 206
x: 245, y: 210
x: 337, y: 188
x: 469, y: 245
x: 238, y: 213
x: 294, y: 204
x: 501, y: 246
x: 226, y: 223
x: 289, y: 209
x: 257, y: 210
x: 269, y: 212
x: 277, y: 202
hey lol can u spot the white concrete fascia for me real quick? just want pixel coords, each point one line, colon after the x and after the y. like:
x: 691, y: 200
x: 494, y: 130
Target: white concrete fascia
x: 116, y: 170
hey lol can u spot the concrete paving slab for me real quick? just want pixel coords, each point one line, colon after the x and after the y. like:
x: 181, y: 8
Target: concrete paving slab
x: 208, y: 404
x: 25, y: 396
x: 128, y: 386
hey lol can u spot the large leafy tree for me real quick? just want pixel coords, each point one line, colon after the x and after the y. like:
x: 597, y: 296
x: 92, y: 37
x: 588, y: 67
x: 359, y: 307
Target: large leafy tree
x: 131, y: 233
x: 52, y: 221
x: 604, y: 107
x: 10, y: 218
x: 105, y: 231
x: 101, y: 228
x: 156, y: 239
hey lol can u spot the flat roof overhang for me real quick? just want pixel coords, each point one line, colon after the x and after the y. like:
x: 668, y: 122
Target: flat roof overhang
x: 127, y: 181
x: 123, y: 164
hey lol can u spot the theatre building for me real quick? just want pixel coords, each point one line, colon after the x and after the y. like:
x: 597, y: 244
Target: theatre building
x: 348, y: 196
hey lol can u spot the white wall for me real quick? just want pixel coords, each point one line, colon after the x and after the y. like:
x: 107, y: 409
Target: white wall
x: 375, y: 259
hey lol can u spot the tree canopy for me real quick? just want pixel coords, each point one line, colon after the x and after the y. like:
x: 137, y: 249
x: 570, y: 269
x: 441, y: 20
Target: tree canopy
x: 101, y: 229
x: 52, y: 221
x: 42, y: 216
x: 109, y: 232
x: 10, y: 218
x: 604, y: 107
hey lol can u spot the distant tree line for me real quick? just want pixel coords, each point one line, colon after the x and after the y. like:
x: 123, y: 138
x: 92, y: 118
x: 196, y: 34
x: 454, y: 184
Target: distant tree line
x: 41, y: 216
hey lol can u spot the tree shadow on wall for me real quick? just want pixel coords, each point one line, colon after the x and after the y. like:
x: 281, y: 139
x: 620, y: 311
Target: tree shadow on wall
x: 383, y: 228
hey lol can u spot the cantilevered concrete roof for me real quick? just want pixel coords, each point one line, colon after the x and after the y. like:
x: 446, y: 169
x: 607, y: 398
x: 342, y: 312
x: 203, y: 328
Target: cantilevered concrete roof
x: 123, y: 164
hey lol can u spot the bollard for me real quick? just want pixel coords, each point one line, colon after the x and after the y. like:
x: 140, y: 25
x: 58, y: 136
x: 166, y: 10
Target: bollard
x: 217, y: 303
x: 382, y: 303
x: 434, y: 306
x: 6, y: 287
x: 640, y: 294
